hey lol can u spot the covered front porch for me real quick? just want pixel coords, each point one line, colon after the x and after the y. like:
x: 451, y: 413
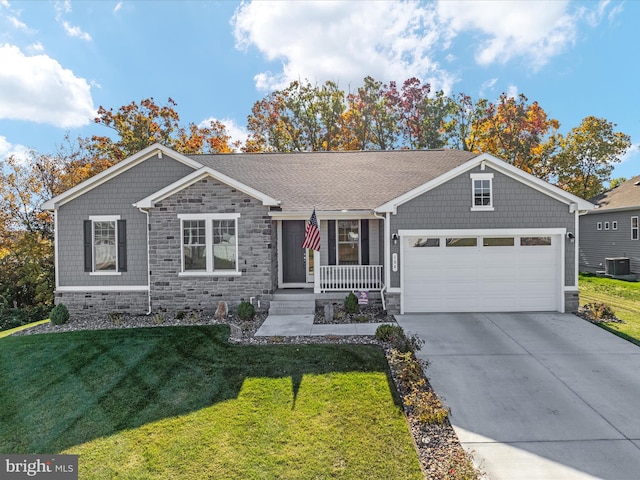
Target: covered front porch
x: 350, y: 256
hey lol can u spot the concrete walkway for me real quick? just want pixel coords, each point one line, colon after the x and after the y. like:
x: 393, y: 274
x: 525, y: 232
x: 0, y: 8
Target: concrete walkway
x: 543, y: 396
x: 302, y: 325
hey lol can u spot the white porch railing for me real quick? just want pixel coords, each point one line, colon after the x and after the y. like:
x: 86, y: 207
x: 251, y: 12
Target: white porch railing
x: 350, y: 277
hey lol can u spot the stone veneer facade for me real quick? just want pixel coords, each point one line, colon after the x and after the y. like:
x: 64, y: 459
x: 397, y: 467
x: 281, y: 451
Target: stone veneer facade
x: 172, y: 291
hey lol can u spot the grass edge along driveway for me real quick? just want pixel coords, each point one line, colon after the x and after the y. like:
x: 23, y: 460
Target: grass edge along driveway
x: 181, y: 402
x: 622, y: 296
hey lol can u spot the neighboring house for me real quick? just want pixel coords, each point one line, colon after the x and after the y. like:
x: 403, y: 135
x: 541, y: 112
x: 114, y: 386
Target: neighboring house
x: 612, y: 230
x: 434, y: 231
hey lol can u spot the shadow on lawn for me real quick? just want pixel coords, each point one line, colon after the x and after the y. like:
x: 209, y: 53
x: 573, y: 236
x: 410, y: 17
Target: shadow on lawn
x: 60, y: 390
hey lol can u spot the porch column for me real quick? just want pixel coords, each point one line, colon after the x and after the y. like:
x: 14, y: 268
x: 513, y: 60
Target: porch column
x: 316, y: 263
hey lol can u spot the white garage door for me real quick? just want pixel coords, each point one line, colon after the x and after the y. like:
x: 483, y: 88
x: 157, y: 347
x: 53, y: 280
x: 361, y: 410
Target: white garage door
x: 480, y: 273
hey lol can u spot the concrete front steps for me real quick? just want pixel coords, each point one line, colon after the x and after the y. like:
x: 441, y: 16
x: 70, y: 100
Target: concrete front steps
x: 298, y: 302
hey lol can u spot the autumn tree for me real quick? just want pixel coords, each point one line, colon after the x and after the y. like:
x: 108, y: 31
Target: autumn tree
x: 466, y: 118
x: 514, y: 130
x: 371, y: 120
x: 302, y: 117
x: 138, y: 126
x: 587, y: 156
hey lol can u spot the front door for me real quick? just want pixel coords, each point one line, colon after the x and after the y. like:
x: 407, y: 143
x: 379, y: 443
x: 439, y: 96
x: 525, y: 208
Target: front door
x: 293, y: 255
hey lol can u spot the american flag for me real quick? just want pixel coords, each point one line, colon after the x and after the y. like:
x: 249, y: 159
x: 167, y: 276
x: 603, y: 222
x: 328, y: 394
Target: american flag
x: 312, y: 233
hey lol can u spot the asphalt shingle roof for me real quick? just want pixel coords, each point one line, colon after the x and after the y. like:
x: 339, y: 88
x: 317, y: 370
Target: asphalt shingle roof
x: 351, y: 180
x: 625, y: 195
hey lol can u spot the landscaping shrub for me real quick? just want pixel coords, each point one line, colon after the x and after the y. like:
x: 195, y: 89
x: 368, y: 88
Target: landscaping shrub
x: 600, y: 311
x: 351, y: 303
x: 407, y: 367
x: 59, y: 314
x: 12, y: 318
x: 404, y: 343
x: 39, y: 312
x: 426, y: 405
x: 386, y: 332
x: 246, y: 311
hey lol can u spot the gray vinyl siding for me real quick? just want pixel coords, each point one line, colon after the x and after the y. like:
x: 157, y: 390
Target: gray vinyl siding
x: 596, y: 245
x: 515, y: 206
x: 114, y: 197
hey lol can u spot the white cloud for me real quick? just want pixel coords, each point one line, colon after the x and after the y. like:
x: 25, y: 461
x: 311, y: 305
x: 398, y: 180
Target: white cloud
x: 512, y: 91
x: 235, y: 131
x: 343, y: 41
x: 76, y: 32
x: 39, y: 89
x: 512, y: 29
x: 18, y: 151
x: 632, y: 153
x: 63, y: 8
x: 487, y: 85
x: 117, y: 8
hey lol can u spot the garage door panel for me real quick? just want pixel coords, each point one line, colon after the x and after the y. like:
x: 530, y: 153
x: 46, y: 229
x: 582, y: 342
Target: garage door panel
x: 471, y: 279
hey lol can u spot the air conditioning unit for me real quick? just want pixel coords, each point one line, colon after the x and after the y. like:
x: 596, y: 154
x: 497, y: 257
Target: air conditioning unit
x: 617, y: 266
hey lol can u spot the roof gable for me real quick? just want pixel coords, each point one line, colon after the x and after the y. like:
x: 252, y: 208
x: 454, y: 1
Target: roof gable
x: 204, y: 172
x: 115, y: 170
x: 624, y: 196
x: 482, y: 160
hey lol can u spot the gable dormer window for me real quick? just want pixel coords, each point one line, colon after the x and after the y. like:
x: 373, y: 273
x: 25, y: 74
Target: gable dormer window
x: 482, y: 191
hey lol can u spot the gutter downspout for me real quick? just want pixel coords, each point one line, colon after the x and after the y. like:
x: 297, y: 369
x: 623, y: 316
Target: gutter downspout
x: 146, y: 212
x: 387, y: 253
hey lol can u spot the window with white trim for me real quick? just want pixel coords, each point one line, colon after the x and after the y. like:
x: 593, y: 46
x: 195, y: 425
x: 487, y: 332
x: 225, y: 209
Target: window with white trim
x: 482, y: 191
x: 599, y: 226
x: 105, y: 249
x: 209, y: 243
x: 614, y: 225
x: 348, y: 242
x: 606, y: 225
x: 634, y: 228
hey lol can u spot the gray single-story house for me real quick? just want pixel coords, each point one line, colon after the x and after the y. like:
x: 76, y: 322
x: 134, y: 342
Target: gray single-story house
x: 423, y: 231
x: 610, y: 234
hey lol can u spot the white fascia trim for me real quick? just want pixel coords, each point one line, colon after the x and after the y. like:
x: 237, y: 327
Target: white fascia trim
x: 116, y: 170
x: 150, y: 201
x: 536, y: 183
x: 613, y: 210
x: 506, y: 232
x: 110, y: 288
x: 392, y: 205
x: 500, y: 166
x: 325, y: 215
x: 55, y: 248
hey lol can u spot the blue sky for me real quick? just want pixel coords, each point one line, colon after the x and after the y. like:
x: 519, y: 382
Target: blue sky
x: 61, y: 60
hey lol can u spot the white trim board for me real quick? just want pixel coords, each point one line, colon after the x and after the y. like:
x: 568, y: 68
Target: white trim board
x: 111, y: 172
x: 107, y: 288
x: 204, y: 172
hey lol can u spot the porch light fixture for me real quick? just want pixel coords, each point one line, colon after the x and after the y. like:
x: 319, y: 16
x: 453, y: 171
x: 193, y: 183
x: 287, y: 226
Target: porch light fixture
x: 394, y: 237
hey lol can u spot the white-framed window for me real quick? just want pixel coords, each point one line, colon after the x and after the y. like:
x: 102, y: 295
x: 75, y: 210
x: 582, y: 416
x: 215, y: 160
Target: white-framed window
x: 209, y: 244
x: 348, y: 242
x: 634, y: 228
x: 614, y: 225
x: 105, y: 245
x: 606, y: 225
x: 599, y: 226
x: 481, y: 191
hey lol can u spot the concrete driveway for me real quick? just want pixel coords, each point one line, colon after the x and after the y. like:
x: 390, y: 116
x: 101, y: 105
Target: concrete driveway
x: 536, y: 396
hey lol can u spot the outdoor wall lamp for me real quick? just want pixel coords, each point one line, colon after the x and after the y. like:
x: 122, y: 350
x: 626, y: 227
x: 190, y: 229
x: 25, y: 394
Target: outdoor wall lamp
x: 394, y: 237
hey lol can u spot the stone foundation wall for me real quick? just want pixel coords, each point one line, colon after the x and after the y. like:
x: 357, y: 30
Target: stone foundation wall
x: 100, y: 304
x: 571, y: 301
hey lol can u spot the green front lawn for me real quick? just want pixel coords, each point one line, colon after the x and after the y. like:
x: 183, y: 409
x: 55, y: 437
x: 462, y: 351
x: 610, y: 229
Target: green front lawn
x: 181, y: 402
x: 624, y: 299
